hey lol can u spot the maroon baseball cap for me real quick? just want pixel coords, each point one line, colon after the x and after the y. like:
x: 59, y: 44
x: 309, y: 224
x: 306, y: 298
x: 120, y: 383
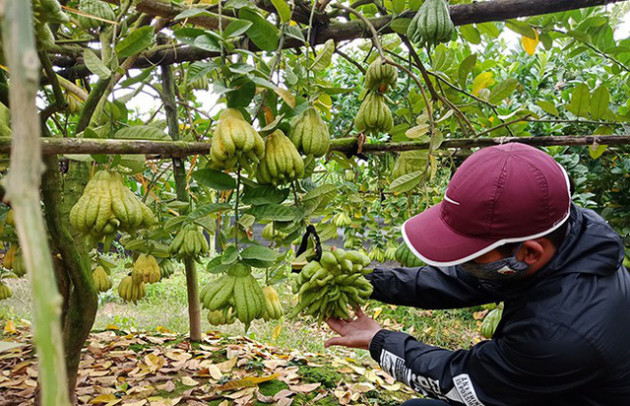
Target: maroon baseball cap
x: 501, y: 194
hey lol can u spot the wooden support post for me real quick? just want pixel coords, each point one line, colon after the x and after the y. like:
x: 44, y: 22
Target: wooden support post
x: 22, y: 190
x: 179, y: 173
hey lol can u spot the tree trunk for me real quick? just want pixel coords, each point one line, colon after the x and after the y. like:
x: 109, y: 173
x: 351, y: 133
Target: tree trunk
x: 81, y: 299
x: 22, y: 189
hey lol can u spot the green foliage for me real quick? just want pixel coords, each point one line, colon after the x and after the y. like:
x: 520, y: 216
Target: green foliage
x: 327, y: 376
x: 569, y: 75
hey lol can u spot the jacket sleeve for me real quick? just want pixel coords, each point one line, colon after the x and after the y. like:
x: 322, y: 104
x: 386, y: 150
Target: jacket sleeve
x: 428, y: 287
x: 522, y: 371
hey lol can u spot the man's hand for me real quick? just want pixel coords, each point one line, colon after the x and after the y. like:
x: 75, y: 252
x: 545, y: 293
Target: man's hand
x: 355, y: 333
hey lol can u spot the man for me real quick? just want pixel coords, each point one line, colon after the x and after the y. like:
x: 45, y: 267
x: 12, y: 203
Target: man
x: 507, y: 231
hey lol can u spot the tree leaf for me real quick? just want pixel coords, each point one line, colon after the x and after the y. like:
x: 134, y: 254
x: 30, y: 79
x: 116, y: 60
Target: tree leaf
x: 600, y: 102
x: 503, y: 90
x: 95, y: 65
x: 264, y: 195
x: 580, y: 101
x: 214, y: 179
x: 241, y: 68
x: 142, y: 132
x: 236, y: 28
x: 137, y: 41
x: 400, y: 25
x: 597, y: 150
x: 522, y: 28
x: 262, y: 33
x: 417, y: 131
x: 230, y: 255
x: 465, y: 68
x: 174, y: 223
x: 327, y: 231
x: 324, y: 57
x: 482, y: 81
x: 286, y: 96
x: 188, y: 35
x: 208, y: 209
x: 580, y: 36
x: 259, y: 256
x: 489, y: 29
x: 272, y: 212
x: 242, y: 92
x: 193, y: 12
x: 237, y: 4
x: 207, y: 43
x: 323, y: 190
x: 546, y: 40
x: 137, y: 79
x: 470, y: 34
x: 530, y: 44
x: 548, y: 107
x: 284, y: 11
x: 292, y: 31
x: 398, y: 6
x: 406, y: 182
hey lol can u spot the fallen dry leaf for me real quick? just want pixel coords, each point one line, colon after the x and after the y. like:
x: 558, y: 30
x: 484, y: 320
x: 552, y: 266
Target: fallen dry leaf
x: 188, y: 381
x: 305, y: 388
x: 105, y: 398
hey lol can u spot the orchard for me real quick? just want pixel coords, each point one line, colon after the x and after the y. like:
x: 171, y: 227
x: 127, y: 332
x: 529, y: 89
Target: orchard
x: 269, y: 151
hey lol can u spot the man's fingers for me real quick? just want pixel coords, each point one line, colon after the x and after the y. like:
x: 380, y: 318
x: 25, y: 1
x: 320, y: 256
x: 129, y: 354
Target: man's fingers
x: 336, y: 324
x: 337, y: 341
x: 358, y: 312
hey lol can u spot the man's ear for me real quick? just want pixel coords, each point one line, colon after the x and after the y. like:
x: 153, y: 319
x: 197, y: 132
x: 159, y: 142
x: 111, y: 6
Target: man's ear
x: 531, y: 252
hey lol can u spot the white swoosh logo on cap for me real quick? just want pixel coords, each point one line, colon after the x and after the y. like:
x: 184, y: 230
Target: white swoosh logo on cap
x: 448, y: 199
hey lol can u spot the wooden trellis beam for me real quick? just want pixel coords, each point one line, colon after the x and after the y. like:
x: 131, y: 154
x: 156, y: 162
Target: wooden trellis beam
x: 346, y: 145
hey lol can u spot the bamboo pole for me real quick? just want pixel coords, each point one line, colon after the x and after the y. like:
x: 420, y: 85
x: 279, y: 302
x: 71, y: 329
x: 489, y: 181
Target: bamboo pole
x: 86, y: 146
x: 179, y: 173
x: 22, y: 190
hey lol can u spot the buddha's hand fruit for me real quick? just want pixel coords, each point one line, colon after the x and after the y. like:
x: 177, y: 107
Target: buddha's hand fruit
x: 380, y: 76
x: 432, y: 24
x: 146, y: 269
x: 374, y: 115
x: 333, y: 286
x: 282, y: 162
x: 309, y: 133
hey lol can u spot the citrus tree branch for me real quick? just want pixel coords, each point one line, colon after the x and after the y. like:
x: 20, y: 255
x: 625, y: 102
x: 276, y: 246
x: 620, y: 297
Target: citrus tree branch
x: 462, y: 14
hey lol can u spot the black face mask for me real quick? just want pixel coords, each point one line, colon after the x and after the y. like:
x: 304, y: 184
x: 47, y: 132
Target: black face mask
x: 505, y: 269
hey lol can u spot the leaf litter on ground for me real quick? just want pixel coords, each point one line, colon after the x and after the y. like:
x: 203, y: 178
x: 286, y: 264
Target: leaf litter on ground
x: 164, y: 369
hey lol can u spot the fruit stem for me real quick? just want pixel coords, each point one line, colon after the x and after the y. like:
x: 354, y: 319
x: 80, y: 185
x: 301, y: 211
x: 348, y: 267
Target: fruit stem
x: 238, y: 188
x: 296, y: 199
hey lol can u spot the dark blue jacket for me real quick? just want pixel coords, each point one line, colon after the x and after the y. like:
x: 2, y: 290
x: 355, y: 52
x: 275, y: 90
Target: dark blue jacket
x: 564, y: 338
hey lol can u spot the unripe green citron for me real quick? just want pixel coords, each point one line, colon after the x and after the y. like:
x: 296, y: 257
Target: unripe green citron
x: 374, y: 115
x: 432, y: 24
x: 309, y: 133
x: 380, y: 76
x: 96, y: 8
x: 235, y: 140
x: 282, y: 162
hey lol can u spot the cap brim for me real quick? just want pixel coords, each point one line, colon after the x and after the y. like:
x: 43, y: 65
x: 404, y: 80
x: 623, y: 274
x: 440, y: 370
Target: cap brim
x: 433, y: 241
